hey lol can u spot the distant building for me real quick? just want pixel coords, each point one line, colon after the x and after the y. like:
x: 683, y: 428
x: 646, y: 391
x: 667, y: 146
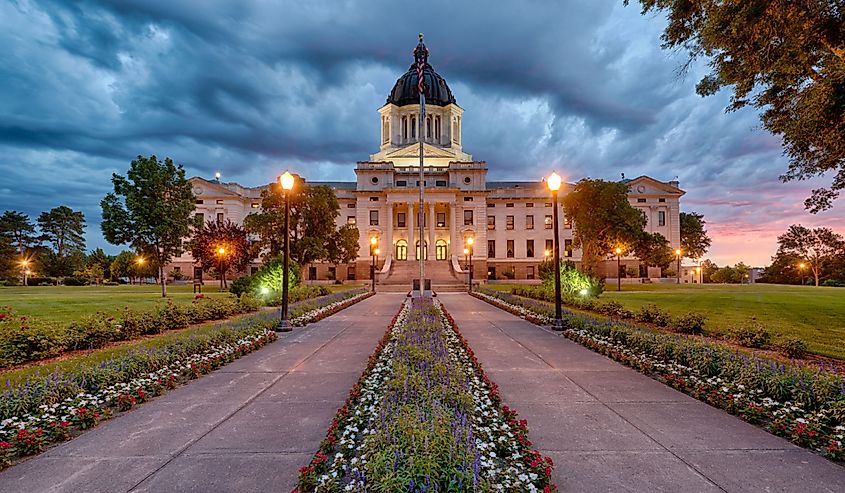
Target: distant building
x: 510, y: 222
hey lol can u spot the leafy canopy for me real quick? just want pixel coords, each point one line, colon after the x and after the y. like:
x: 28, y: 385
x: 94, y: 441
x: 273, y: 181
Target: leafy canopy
x: 17, y: 228
x: 64, y: 229
x: 232, y: 238
x: 694, y: 239
x: 786, y: 57
x: 814, y: 247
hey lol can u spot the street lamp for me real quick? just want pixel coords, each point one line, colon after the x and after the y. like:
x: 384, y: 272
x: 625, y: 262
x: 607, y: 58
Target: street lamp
x: 618, y: 268
x: 286, y: 180
x: 220, y: 253
x: 678, y: 254
x: 801, y: 267
x: 698, y: 273
x: 140, y: 261
x: 553, y: 182
x: 375, y: 251
x: 26, y: 271
x: 470, y: 241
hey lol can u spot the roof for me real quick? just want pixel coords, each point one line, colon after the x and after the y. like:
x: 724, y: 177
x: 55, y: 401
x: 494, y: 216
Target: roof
x: 436, y: 90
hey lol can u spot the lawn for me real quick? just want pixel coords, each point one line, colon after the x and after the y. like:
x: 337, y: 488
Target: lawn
x: 817, y: 315
x: 67, y: 303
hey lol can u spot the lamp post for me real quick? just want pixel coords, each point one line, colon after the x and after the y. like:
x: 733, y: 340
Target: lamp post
x: 801, y: 267
x: 553, y: 183
x: 375, y: 251
x: 618, y: 252
x: 26, y: 271
x: 678, y: 254
x: 220, y: 253
x: 466, y: 265
x: 140, y: 261
x: 286, y: 180
x: 698, y: 273
x: 470, y: 241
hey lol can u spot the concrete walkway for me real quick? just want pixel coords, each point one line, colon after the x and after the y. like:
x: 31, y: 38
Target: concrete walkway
x: 610, y: 428
x: 246, y: 427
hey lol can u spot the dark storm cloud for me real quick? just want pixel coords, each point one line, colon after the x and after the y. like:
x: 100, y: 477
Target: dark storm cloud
x: 250, y: 88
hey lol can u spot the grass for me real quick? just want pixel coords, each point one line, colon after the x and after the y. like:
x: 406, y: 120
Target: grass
x: 816, y: 315
x: 65, y: 304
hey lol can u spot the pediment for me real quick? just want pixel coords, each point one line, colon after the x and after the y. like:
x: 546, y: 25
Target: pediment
x: 646, y: 185
x: 413, y: 150
x: 201, y: 186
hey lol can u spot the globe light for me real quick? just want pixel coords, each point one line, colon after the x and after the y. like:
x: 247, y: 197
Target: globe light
x: 140, y: 260
x: 553, y: 181
x: 221, y: 250
x: 286, y: 180
x: 466, y: 251
x: 373, y: 240
x: 217, y: 175
x: 546, y: 253
x: 470, y: 241
x: 678, y: 252
x: 618, y: 251
x: 264, y: 290
x: 584, y: 292
x: 378, y: 252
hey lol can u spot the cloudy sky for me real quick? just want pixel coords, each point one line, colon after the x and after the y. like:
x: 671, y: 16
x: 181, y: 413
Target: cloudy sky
x: 253, y: 88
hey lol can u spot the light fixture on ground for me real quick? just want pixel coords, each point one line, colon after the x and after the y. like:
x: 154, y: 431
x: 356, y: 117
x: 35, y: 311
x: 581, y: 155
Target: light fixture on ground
x: 553, y: 181
x: 678, y: 254
x: 618, y: 252
x: 375, y: 251
x: 286, y: 181
x: 470, y: 241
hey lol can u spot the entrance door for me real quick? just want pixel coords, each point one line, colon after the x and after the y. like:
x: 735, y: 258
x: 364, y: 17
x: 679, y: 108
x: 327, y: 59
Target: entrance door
x: 440, y: 250
x: 401, y: 250
x: 425, y: 250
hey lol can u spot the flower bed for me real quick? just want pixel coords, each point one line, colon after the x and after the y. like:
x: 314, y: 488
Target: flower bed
x: 424, y: 417
x: 24, y: 339
x: 313, y: 310
x: 54, y: 408
x: 803, y: 405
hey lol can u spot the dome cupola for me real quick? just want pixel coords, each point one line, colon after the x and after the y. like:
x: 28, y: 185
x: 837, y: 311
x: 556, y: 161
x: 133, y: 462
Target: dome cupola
x: 405, y: 90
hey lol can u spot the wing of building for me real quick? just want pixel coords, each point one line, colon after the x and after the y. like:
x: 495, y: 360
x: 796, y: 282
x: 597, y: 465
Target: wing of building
x: 510, y: 222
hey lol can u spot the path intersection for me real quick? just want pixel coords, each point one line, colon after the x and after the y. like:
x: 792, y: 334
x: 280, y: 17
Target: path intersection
x: 250, y: 425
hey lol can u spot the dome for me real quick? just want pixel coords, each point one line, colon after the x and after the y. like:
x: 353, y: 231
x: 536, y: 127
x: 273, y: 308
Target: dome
x: 405, y: 91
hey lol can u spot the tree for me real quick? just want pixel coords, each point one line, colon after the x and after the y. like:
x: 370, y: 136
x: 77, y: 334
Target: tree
x: 654, y: 251
x: 151, y: 210
x: 708, y: 268
x: 815, y: 247
x: 231, y: 238
x: 64, y: 229
x: 786, y: 57
x: 694, y: 239
x: 313, y: 211
x: 20, y: 232
x: 602, y: 217
x: 343, y: 248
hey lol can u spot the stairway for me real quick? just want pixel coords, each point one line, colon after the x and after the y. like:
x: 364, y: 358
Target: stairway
x: 402, y: 272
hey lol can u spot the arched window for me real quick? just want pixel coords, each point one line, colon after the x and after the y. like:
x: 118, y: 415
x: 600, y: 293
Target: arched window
x: 413, y: 127
x: 401, y: 250
x: 385, y: 129
x: 437, y: 127
x: 405, y: 127
x: 440, y: 249
x: 425, y: 250
x: 428, y: 127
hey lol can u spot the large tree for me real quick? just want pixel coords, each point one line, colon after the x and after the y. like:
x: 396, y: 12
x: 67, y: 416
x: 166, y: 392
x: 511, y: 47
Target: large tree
x: 694, y: 239
x: 19, y: 230
x: 654, y: 251
x: 64, y: 229
x: 151, y: 209
x: 814, y: 247
x: 786, y: 57
x: 313, y: 211
x: 602, y: 217
x: 228, y: 237
x: 344, y: 245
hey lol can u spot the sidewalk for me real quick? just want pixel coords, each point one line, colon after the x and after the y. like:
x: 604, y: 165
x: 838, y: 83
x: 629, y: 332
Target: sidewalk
x: 248, y: 426
x: 610, y: 428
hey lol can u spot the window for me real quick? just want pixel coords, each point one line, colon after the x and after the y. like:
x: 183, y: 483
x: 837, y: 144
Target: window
x: 529, y: 222
x: 428, y: 127
x: 550, y: 247
x: 467, y: 199
x: 510, y: 248
x: 491, y: 223
x: 200, y: 217
x: 405, y: 127
x: 373, y: 199
x: 467, y: 218
x: 529, y: 248
x: 567, y: 247
x: 548, y: 204
x: 661, y: 218
x: 661, y: 200
x: 255, y: 205
x: 440, y: 183
x: 198, y: 201
x: 508, y: 222
x: 436, y: 127
x: 425, y: 183
x: 413, y: 127
x: 332, y: 273
x: 491, y: 248
x: 641, y: 201
x: 509, y: 204
x: 567, y: 223
x: 441, y: 219
x: 351, y: 220
x: 374, y: 180
x: 373, y: 218
x: 401, y: 183
x: 219, y: 218
x: 529, y: 274
x: 219, y: 202
x: 350, y: 272
x: 467, y: 180
x: 529, y: 204
x: 400, y: 219
x: 547, y: 222
x: 350, y: 206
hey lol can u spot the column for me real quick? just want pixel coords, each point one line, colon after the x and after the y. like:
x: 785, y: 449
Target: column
x: 412, y: 249
x: 454, y: 247
x: 388, y: 249
x: 431, y: 224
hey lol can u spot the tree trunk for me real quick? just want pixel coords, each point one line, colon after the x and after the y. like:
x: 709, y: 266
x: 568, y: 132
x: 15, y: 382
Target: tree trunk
x: 163, y: 281
x: 816, y: 275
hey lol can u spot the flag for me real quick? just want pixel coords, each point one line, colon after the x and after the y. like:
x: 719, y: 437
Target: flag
x: 421, y: 57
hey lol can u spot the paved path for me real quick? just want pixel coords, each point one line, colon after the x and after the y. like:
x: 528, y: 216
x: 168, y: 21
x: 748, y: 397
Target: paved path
x: 610, y: 428
x: 246, y: 427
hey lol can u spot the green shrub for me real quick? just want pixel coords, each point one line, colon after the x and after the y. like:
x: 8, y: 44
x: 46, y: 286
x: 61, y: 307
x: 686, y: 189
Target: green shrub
x: 111, y: 283
x: 834, y: 283
x: 791, y: 346
x: 94, y: 331
x: 76, y: 281
x: 244, y: 284
x: 750, y: 334
x: 614, y: 309
x: 653, y: 314
x: 575, y: 283
x: 689, y: 323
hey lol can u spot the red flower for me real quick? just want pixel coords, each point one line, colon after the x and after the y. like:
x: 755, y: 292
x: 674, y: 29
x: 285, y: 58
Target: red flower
x: 5, y: 445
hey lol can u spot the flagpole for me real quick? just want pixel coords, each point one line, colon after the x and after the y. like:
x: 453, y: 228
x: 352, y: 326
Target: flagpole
x: 421, y: 61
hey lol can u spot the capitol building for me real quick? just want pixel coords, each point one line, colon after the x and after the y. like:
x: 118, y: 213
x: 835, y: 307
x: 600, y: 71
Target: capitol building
x: 510, y: 222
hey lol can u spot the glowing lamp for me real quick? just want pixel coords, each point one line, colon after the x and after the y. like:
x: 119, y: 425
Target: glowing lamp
x: 286, y: 180
x: 470, y: 241
x: 554, y: 181
x: 373, y: 240
x: 584, y: 292
x: 264, y: 290
x: 618, y: 251
x: 378, y: 251
x: 221, y: 250
x: 678, y: 252
x: 466, y: 251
